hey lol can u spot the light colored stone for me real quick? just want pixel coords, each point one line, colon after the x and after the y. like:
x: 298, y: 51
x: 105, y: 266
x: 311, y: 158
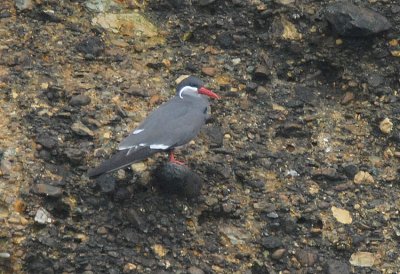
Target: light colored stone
x: 386, y: 126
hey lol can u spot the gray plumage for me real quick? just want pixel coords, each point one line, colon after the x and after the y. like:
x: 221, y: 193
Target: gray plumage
x: 173, y: 124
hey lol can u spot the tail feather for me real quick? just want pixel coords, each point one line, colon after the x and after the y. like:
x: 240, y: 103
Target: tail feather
x: 120, y: 160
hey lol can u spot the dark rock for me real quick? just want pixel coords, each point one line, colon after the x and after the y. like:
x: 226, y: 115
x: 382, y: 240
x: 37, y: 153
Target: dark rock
x: 348, y: 19
x: 271, y: 242
x: 251, y: 87
x: 79, y: 100
x: 134, y: 218
x: 306, y: 95
x: 215, y: 135
x: 122, y: 194
x: 177, y: 179
x: 45, y: 155
x: 142, y: 92
x: 257, y: 184
x: 350, y: 171
x: 47, y: 16
x: 289, y: 225
x: 289, y: 130
x: 93, y: 46
x: 106, y: 183
x: 225, y: 40
x: 330, y: 174
x: 337, y: 267
x: 47, y: 190
x: 306, y: 257
x: 81, y: 129
x: 47, y: 141
x: 74, y: 155
x: 205, y: 2
x: 177, y: 3
x: 261, y: 73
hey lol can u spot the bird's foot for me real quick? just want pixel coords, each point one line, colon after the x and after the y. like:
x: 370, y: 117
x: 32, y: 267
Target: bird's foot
x: 173, y: 160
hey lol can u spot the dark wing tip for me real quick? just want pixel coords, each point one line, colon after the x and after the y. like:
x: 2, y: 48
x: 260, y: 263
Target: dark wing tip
x: 120, y: 160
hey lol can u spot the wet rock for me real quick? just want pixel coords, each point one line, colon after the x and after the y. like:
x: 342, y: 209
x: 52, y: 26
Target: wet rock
x: 47, y: 141
x: 306, y: 258
x: 348, y: 19
x: 47, y: 190
x: 337, y: 267
x: 106, y: 183
x: 74, y: 155
x: 79, y: 100
x: 225, y: 40
x: 177, y: 179
x: 81, y: 129
x: 271, y: 242
x: 93, y: 46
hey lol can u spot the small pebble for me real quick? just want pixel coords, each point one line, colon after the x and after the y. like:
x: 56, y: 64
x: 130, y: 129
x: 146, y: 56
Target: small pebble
x: 271, y: 242
x: 47, y: 190
x: 236, y: 61
x: 386, y: 126
x: 347, y: 98
x: 278, y: 254
x: 81, y: 129
x: 80, y: 100
x: 306, y: 258
x: 43, y: 216
x: 209, y: 71
x: 5, y: 255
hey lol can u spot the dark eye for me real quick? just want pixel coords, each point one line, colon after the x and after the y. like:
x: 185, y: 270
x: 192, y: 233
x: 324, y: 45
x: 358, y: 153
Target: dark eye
x: 205, y: 110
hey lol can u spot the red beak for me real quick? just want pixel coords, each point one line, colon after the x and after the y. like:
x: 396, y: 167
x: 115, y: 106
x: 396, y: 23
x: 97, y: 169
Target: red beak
x: 208, y: 92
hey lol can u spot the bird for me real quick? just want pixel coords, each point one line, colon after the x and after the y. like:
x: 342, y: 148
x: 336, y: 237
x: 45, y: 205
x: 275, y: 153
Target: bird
x: 171, y: 125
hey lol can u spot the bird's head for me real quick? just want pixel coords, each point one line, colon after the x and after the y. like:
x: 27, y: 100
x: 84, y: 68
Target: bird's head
x: 193, y: 86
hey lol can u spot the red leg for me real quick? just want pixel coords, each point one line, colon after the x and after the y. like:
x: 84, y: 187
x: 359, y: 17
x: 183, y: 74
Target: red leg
x: 172, y: 158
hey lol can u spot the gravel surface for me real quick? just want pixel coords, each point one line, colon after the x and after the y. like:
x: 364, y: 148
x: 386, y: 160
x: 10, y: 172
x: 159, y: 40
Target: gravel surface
x: 297, y: 170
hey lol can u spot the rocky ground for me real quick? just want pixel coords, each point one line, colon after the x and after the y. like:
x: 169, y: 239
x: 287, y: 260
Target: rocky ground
x: 299, y: 163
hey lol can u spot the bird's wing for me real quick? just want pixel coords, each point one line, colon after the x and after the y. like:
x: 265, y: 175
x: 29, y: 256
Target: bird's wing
x: 172, y: 124
x: 121, y: 159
